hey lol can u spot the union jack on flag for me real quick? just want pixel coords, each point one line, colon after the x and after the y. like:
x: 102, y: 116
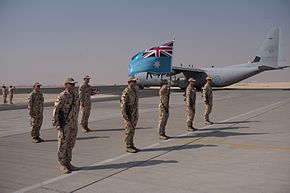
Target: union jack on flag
x: 156, y: 60
x: 165, y: 50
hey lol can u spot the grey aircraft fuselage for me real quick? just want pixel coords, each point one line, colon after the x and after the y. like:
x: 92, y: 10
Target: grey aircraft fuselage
x: 269, y: 57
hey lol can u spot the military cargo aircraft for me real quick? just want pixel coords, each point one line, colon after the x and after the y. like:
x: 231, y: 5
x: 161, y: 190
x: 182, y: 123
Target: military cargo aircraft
x: 269, y: 57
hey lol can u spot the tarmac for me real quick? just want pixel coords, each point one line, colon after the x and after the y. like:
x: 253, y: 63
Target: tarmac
x: 246, y: 150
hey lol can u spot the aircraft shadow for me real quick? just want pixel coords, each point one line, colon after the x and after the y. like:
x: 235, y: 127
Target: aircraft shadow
x: 130, y: 164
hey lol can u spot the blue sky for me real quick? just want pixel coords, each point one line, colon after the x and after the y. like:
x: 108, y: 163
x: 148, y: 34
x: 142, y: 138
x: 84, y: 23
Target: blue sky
x: 50, y: 40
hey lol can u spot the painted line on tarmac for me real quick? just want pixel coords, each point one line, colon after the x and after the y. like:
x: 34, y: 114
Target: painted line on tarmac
x: 39, y: 185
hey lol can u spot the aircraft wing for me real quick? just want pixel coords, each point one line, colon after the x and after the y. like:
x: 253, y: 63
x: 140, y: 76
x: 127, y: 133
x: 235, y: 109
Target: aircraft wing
x: 179, y: 69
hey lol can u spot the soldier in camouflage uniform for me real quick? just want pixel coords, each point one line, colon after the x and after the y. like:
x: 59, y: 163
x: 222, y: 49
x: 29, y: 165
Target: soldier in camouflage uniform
x: 129, y: 109
x: 11, y: 92
x: 190, y: 98
x: 208, y: 99
x: 85, y: 93
x: 65, y: 119
x: 35, y: 111
x: 164, y: 94
x: 4, y: 93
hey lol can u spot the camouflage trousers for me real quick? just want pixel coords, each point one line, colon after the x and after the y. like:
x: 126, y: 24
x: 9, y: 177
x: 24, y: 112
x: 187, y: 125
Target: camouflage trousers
x: 66, y: 142
x: 163, y: 118
x: 10, y: 98
x: 130, y: 127
x: 4, y: 99
x: 190, y: 115
x: 35, y: 123
x: 207, y: 111
x: 85, y: 111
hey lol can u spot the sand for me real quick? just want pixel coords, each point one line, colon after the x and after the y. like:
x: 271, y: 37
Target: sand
x: 260, y: 85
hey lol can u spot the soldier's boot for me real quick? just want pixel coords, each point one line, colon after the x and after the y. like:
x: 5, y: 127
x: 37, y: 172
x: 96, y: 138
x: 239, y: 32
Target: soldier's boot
x: 163, y: 137
x: 64, y: 169
x: 208, y: 122
x: 131, y: 149
x: 40, y: 139
x: 191, y: 129
x: 136, y: 148
x: 86, y: 129
x: 72, y: 167
x: 35, y: 140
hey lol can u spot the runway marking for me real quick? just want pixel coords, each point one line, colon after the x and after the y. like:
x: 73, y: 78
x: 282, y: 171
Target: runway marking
x: 39, y: 185
x: 240, y: 145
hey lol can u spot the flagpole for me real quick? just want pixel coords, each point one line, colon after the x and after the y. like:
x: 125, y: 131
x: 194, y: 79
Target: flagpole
x: 170, y: 77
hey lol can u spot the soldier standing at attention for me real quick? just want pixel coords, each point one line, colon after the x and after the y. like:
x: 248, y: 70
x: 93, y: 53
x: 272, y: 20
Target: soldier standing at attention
x: 129, y: 109
x: 5, y: 93
x: 35, y: 111
x: 65, y: 119
x: 85, y: 93
x: 163, y: 109
x: 208, y: 99
x: 190, y: 98
x: 11, y: 92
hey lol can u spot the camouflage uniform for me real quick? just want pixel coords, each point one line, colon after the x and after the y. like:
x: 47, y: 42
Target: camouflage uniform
x: 129, y: 109
x: 5, y: 93
x: 207, y: 94
x: 163, y: 108
x: 66, y: 135
x: 11, y: 92
x: 190, y: 97
x: 85, y: 92
x: 35, y: 111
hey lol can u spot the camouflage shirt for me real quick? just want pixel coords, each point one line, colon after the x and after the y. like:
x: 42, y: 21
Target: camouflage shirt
x: 35, y: 103
x: 5, y: 91
x: 207, y: 93
x: 190, y: 96
x: 85, y: 92
x: 63, y: 103
x: 164, y: 96
x: 11, y: 91
x: 129, y: 102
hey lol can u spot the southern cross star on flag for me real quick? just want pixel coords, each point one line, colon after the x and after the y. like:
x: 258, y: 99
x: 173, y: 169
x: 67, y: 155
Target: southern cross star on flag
x: 154, y: 60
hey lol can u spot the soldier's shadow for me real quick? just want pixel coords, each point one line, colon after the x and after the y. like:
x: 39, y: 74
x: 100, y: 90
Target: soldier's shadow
x: 120, y: 129
x: 235, y: 122
x: 81, y: 138
x: 177, y: 147
x: 221, y: 128
x: 127, y: 165
x: 218, y: 132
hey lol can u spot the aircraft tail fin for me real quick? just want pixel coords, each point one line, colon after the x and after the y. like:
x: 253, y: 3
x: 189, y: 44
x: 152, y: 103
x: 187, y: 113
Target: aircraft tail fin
x: 270, y: 54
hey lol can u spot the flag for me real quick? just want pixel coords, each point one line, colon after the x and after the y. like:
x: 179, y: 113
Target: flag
x: 156, y: 60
